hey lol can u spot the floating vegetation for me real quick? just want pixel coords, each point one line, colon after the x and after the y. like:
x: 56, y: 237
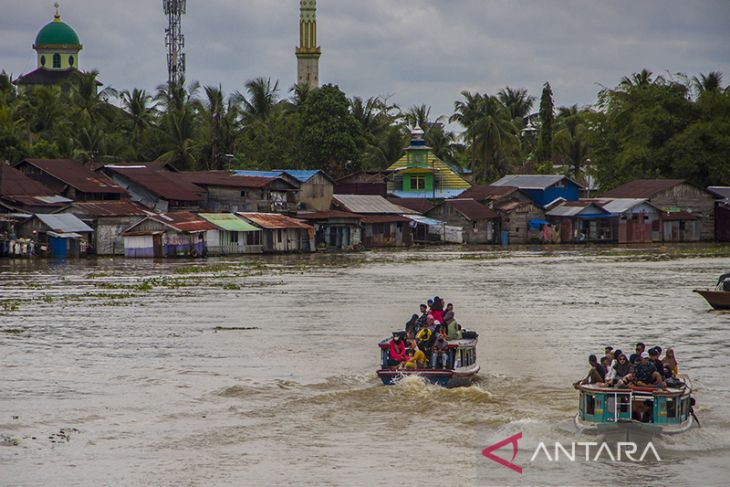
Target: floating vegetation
x: 47, y: 299
x: 231, y: 287
x: 97, y: 275
x: 13, y: 331
x: 9, y: 305
x: 236, y: 328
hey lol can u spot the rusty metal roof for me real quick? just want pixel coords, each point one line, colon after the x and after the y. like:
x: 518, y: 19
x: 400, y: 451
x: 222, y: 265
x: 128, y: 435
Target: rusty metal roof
x: 15, y: 183
x: 109, y: 208
x: 326, y: 215
x: 165, y: 184
x: 532, y: 181
x: 472, y: 209
x: 511, y: 204
x: 76, y: 175
x: 361, y: 203
x: 488, y: 192
x: 180, y: 221
x: 224, y: 178
x: 370, y: 219
x: 273, y: 221
x: 680, y: 215
x: 642, y: 188
x: 419, y: 205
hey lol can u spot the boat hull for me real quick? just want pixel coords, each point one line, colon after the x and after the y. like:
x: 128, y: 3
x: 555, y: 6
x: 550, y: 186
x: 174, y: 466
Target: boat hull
x: 716, y: 299
x: 631, y: 430
x: 442, y: 377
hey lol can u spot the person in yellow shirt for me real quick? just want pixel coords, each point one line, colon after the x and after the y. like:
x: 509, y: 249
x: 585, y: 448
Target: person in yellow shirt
x: 416, y: 360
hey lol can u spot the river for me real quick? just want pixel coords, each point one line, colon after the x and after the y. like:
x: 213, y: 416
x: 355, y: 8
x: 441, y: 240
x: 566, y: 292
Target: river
x: 260, y: 370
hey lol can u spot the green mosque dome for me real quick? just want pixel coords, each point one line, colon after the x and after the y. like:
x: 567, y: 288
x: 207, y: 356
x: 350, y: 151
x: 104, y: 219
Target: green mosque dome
x: 57, y: 33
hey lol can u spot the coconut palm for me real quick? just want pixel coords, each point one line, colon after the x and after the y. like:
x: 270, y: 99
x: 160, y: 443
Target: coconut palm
x: 517, y: 101
x: 569, y: 140
x: 178, y: 124
x: 711, y: 82
x: 141, y: 112
x: 262, y: 99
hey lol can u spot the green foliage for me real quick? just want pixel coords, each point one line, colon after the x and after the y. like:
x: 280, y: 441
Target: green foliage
x: 545, y: 147
x: 329, y: 132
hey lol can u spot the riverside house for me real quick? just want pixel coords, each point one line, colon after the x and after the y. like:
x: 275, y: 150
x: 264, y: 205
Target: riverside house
x: 232, y: 235
x: 282, y: 233
x: 109, y: 219
x: 22, y: 193
x: 61, y: 235
x: 159, y: 190
x: 176, y: 234
x: 383, y: 222
x: 71, y: 179
x: 479, y: 224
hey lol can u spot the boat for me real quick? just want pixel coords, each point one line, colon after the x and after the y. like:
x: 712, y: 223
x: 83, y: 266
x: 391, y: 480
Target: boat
x: 614, y: 412
x: 717, y: 299
x: 460, y: 371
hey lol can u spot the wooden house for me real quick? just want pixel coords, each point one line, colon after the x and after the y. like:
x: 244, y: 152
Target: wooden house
x: 634, y: 219
x: 232, y: 235
x: 541, y: 188
x: 71, y: 179
x: 61, y: 235
x: 334, y: 229
x: 233, y: 192
x: 383, y: 222
x: 688, y: 212
x: 479, y: 224
x: 176, y: 234
x: 109, y: 219
x: 363, y: 182
x: 581, y: 221
x: 722, y: 212
x: 157, y: 189
x: 24, y: 194
x: 282, y: 233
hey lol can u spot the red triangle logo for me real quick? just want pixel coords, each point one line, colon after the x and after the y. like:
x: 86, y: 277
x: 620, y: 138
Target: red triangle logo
x: 487, y: 452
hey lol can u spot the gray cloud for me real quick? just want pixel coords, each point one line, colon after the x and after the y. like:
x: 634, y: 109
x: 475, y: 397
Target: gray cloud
x: 418, y: 51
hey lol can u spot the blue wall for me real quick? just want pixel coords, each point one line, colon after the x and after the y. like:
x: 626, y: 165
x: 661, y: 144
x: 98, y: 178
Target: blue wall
x: 570, y: 191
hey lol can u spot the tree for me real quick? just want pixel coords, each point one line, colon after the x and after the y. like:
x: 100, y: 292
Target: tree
x: 517, y: 101
x: 329, y: 132
x: 178, y: 125
x: 570, y: 140
x: 141, y: 115
x: 545, y: 146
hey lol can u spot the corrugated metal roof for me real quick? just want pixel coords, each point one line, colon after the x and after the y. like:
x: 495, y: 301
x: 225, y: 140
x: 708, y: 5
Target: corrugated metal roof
x: 680, y: 215
x: 184, y: 221
x: 326, y: 215
x: 63, y: 223
x: 15, y: 183
x: 424, y: 220
x: 76, y: 175
x: 273, y: 221
x: 532, y: 181
x: 575, y: 208
x: 372, y: 219
x: 165, y: 184
x: 721, y: 191
x: 511, y: 204
x: 488, y: 192
x: 229, y: 222
x: 302, y: 175
x: 472, y: 209
x: 642, y: 188
x: 224, y: 178
x: 420, y: 205
x: 257, y: 174
x: 109, y: 208
x: 361, y: 203
x: 622, y: 205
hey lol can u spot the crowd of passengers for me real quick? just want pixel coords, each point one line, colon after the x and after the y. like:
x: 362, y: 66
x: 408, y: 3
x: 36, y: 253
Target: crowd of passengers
x: 424, y: 342
x: 644, y: 368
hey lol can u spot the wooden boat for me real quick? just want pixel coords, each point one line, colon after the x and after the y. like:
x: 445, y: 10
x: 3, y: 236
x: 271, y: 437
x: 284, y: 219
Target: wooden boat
x: 617, y: 413
x: 717, y: 299
x: 461, y: 368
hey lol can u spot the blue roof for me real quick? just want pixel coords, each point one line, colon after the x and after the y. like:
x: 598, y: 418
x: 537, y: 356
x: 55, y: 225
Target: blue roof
x: 301, y: 175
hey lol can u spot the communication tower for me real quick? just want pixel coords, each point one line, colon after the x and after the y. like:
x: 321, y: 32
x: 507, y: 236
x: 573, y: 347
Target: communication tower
x: 174, y: 40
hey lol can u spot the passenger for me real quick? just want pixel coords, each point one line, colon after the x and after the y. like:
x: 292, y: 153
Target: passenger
x: 622, y: 367
x: 397, y: 351
x: 453, y: 330
x: 411, y: 327
x: 635, y: 357
x: 423, y: 339
x: 440, y: 355
x: 654, y: 358
x: 610, y: 370
x: 416, y: 360
x: 422, y: 318
x: 671, y: 363
x: 609, y: 354
x: 645, y: 374
x: 596, y: 374
x: 430, y: 305
x: 449, y: 313
x: 437, y: 309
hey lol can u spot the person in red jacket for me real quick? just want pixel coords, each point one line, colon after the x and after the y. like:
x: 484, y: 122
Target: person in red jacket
x: 397, y: 351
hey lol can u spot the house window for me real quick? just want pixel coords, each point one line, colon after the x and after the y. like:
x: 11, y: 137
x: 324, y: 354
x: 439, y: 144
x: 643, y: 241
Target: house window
x: 56, y: 60
x: 418, y: 182
x: 70, y: 60
x: 253, y: 238
x: 243, y: 194
x: 234, y: 237
x: 279, y: 236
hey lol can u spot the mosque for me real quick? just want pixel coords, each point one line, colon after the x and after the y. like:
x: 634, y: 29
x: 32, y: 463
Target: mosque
x: 57, y: 49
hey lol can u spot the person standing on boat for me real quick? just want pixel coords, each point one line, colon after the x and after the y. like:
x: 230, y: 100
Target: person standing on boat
x: 397, y: 351
x: 437, y: 310
x: 440, y: 352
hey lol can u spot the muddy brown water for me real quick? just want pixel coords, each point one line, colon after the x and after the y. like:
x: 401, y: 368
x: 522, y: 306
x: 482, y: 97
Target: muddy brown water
x: 260, y: 371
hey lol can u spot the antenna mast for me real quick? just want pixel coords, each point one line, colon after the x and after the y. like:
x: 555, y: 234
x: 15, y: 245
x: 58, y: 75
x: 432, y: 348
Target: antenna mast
x: 174, y: 40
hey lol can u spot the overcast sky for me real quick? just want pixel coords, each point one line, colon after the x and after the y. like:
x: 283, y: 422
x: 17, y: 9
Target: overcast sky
x: 416, y: 51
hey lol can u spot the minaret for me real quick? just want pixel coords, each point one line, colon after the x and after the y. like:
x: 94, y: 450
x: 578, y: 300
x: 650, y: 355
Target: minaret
x: 308, y: 51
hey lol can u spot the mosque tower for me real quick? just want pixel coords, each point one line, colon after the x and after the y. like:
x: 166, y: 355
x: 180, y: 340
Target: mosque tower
x: 57, y: 45
x: 308, y: 52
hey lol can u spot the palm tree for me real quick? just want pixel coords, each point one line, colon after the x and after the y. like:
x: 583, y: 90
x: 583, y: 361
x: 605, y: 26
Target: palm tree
x: 712, y: 82
x: 640, y: 79
x: 570, y: 139
x: 141, y: 111
x: 220, y: 120
x: 178, y: 124
x: 262, y: 99
x: 517, y: 101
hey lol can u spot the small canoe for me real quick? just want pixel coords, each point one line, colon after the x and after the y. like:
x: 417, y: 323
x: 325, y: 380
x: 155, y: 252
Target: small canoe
x: 717, y: 299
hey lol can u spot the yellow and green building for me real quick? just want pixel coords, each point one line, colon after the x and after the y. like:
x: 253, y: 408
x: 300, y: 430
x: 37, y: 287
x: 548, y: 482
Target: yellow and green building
x: 420, y: 174
x: 57, y: 49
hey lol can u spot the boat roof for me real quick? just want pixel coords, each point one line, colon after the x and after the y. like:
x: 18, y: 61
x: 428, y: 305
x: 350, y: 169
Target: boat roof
x: 669, y: 391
